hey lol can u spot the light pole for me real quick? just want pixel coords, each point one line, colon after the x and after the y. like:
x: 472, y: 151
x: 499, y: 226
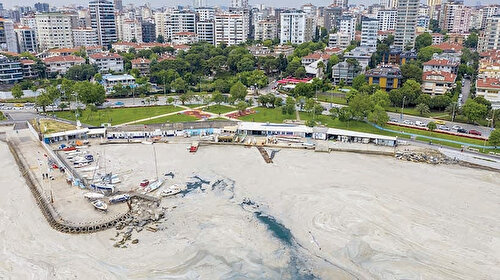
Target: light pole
x: 403, y: 107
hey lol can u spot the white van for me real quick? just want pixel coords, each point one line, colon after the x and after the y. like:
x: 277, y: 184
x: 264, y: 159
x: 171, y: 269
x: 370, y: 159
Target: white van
x: 419, y: 123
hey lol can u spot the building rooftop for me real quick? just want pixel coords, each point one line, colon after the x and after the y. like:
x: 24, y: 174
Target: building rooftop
x: 111, y: 77
x: 439, y: 76
x: 488, y: 83
x: 140, y: 60
x: 386, y: 70
x: 65, y: 58
x: 449, y: 47
x: 105, y: 56
x: 441, y: 62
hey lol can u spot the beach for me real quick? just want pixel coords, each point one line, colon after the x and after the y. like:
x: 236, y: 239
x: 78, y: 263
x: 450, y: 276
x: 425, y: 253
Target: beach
x: 306, y: 216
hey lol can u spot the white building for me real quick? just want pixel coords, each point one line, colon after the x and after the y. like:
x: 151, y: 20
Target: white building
x: 162, y: 26
x: 490, y: 39
x: 239, y: 4
x: 102, y: 20
x: 455, y: 17
x: 231, y: 28
x: 293, y: 27
x: 181, y: 22
x: 199, y: 3
x: 26, y: 39
x: 339, y: 40
x: 8, y: 40
x: 387, y: 19
x: 84, y: 37
x: 406, y: 23
x: 489, y: 88
x: 107, y: 62
x: 131, y: 30
x: 205, y: 31
x: 347, y: 25
x: 266, y: 29
x: 205, y: 14
x: 54, y: 31
x: 369, y: 32
x: 61, y: 64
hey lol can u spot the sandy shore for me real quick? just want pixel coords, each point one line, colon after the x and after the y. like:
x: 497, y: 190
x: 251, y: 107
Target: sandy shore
x: 308, y: 215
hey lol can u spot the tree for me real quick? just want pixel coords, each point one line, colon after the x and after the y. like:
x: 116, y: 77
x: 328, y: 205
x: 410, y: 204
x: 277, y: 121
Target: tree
x: 170, y: 100
x: 471, y: 41
x: 494, y: 138
x: 378, y: 115
x: 83, y: 72
x: 217, y: 97
x: 98, y: 77
x: 359, y: 81
x: 410, y: 89
x: 345, y: 114
x: 360, y: 106
x: 303, y: 89
x: 179, y: 85
x: 482, y: 100
x: 381, y: 97
x: 289, y: 107
x: 474, y: 111
x: 17, y: 92
x: 238, y: 91
x: 411, y: 71
x: 423, y: 109
x: 245, y: 64
x: 423, y: 40
x: 431, y: 126
x: 425, y: 54
x: 43, y: 100
x: 160, y: 39
x: 89, y: 93
x: 185, y: 98
x: 424, y: 99
x: 300, y: 72
x: 278, y: 101
x: 241, y: 106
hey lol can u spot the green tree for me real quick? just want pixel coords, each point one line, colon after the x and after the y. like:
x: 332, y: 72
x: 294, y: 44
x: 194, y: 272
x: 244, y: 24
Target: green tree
x: 289, y: 107
x: 43, y: 100
x: 378, y: 116
x: 217, y: 97
x: 482, y: 100
x: 431, y: 126
x: 185, y: 98
x: 425, y: 53
x: 303, y: 89
x: 423, y: 109
x: 17, y: 92
x: 474, y: 111
x: 241, y: 106
x: 89, y: 93
x: 170, y: 100
x: 411, y: 71
x: 440, y: 102
x: 345, y: 114
x: 300, y: 72
x: 423, y: 40
x: 494, y: 138
x: 381, y: 97
x: 179, y: 85
x: 98, y: 77
x: 83, y: 72
x: 471, y: 41
x: 360, y: 106
x: 238, y: 91
x: 359, y: 81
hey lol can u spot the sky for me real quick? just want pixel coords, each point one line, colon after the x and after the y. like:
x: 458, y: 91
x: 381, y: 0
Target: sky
x: 159, y: 3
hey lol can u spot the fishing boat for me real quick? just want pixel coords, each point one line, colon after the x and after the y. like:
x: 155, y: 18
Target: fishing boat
x: 172, y: 190
x: 144, y: 183
x: 154, y: 185
x: 93, y: 195
x: 119, y: 198
x: 99, y: 204
x: 103, y: 187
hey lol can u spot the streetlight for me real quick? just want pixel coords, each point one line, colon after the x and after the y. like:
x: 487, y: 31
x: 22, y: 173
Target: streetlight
x: 403, y: 107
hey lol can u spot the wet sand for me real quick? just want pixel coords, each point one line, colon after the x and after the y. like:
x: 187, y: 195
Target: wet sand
x: 328, y: 216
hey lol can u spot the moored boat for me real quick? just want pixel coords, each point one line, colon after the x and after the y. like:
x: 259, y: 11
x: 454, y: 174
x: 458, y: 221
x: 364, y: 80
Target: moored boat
x: 119, y: 198
x: 154, y: 185
x: 172, y: 190
x: 93, y: 195
x: 103, y: 187
x: 99, y: 204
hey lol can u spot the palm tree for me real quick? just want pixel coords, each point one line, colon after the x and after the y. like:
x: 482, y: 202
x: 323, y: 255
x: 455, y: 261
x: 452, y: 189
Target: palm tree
x: 423, y: 109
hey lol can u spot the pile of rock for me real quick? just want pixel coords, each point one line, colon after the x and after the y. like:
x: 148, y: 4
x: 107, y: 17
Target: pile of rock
x: 428, y: 156
x: 144, y: 215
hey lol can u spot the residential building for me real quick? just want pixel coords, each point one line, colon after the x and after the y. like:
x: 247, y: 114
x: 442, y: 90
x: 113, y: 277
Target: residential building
x: 442, y: 65
x: 386, y: 76
x: 423, y: 22
x: 344, y: 71
x: 487, y: 12
x: 162, y: 28
x: 362, y: 55
x: 449, y: 47
x: 148, y: 32
x: 437, y: 82
x: 107, y: 62
x: 102, y: 20
x: 184, y: 38
x: 10, y: 71
x: 387, y: 19
x: 389, y: 4
x: 347, y: 25
x: 131, y: 31
x: 26, y: 39
x: 293, y: 27
x: 231, y: 28
x: 199, y: 3
x: 42, y: 7
x: 29, y: 69
x: 490, y: 38
x: 489, y: 88
x: 339, y: 3
x: 142, y: 64
x: 8, y: 41
x: 61, y: 64
x: 54, y: 30
x: 285, y: 50
x: 437, y: 38
x: 241, y: 4
x: 309, y: 9
x: 84, y: 37
x: 316, y: 68
x: 369, y: 30
x: 266, y: 29
x: 489, y: 69
x: 118, y: 5
x: 455, y: 17
x: 315, y: 56
x: 405, y: 23
x: 205, y: 32
x: 110, y: 80
x: 181, y: 21
x: 331, y: 16
x: 205, y: 14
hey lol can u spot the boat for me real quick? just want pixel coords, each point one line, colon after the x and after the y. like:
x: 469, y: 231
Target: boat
x: 119, y: 198
x: 103, y: 187
x: 194, y: 147
x: 99, y: 204
x: 154, y: 185
x: 89, y: 169
x: 110, y: 178
x: 147, y: 142
x: 172, y: 190
x: 93, y: 195
x: 68, y: 149
x: 144, y: 183
x: 81, y: 164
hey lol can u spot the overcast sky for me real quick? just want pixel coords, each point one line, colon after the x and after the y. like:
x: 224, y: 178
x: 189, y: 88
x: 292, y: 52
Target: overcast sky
x: 159, y: 3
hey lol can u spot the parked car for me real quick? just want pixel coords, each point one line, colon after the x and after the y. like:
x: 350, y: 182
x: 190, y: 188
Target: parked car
x: 393, y: 120
x: 456, y: 127
x: 462, y: 130
x: 419, y: 123
x: 443, y: 127
x: 475, y: 132
x: 440, y: 122
x: 119, y: 103
x: 408, y: 122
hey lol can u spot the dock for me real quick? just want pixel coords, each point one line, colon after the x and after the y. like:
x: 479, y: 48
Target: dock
x: 264, y: 154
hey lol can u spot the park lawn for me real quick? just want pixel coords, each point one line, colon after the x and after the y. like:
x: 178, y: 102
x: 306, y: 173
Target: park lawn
x: 332, y: 99
x: 194, y: 105
x: 52, y: 126
x: 19, y: 100
x: 218, y: 109
x: 118, y: 115
x: 176, y: 118
x: 218, y: 119
x: 413, y: 112
x: 262, y: 114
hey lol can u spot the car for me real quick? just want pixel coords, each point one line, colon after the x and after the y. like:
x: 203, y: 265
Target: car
x: 440, y: 122
x: 393, y: 120
x: 443, y: 127
x: 456, y: 127
x: 462, y: 130
x: 419, y: 123
x: 119, y: 103
x: 475, y: 132
x: 408, y: 122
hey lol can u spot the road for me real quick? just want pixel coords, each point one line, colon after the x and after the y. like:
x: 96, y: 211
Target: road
x: 465, y: 90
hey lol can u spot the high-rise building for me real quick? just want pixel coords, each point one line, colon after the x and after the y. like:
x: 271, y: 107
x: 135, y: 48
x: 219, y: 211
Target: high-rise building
x: 85, y: 37
x: 8, y: 41
x: 455, y: 17
x: 339, y: 3
x: 331, y: 14
x: 102, y: 20
x: 199, y: 3
x: 490, y: 38
x: 42, y: 7
x: 240, y: 4
x: 406, y: 23
x: 148, y: 32
x: 205, y: 31
x: 389, y: 4
x: 387, y: 19
x: 183, y: 21
x: 54, y: 30
x: 131, y: 30
x: 161, y: 25
x: 205, y: 14
x: 266, y: 29
x: 293, y: 27
x: 369, y: 32
x: 118, y: 5
x: 231, y: 28
x: 347, y: 25
x: 309, y: 9
x: 489, y: 11
x: 26, y: 39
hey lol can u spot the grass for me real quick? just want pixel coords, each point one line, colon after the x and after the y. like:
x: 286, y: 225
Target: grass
x: 19, y: 100
x: 437, y: 135
x: 193, y: 105
x: 413, y: 112
x: 2, y: 117
x: 218, y: 109
x: 332, y: 99
x: 53, y: 126
x: 267, y: 115
x: 118, y: 115
x: 171, y: 119
x: 218, y: 119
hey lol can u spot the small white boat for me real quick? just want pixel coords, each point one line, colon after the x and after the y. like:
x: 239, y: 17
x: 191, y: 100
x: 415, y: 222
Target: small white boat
x: 81, y: 147
x: 154, y: 185
x: 99, y: 204
x: 147, y: 142
x: 81, y: 164
x: 119, y: 198
x: 93, y: 195
x: 172, y: 190
x: 103, y: 187
x: 89, y: 169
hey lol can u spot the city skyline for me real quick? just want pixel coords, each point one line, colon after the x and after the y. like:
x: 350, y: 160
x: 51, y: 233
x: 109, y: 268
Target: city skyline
x: 278, y: 4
